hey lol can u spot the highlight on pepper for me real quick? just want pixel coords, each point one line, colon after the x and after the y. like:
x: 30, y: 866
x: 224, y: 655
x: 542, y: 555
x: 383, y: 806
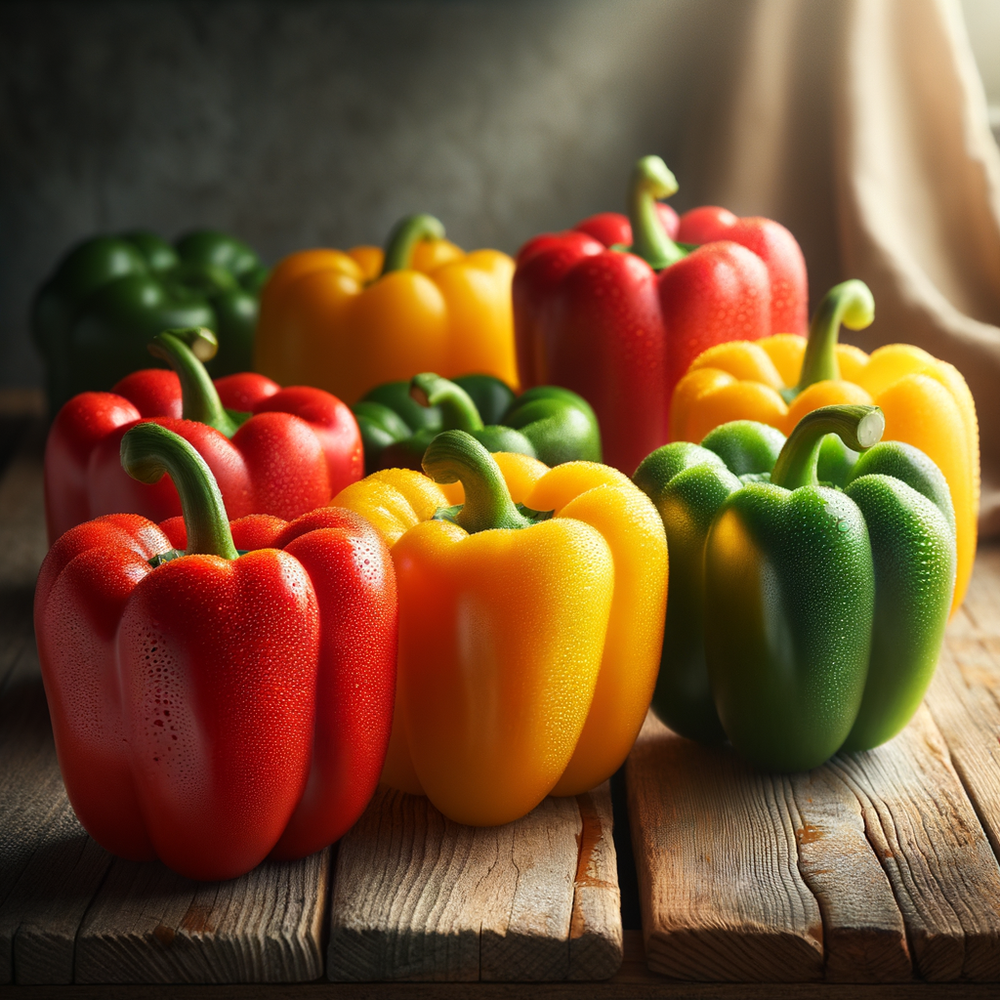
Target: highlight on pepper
x: 531, y: 618
x: 779, y: 379
x: 349, y: 321
x: 228, y: 692
x: 811, y: 580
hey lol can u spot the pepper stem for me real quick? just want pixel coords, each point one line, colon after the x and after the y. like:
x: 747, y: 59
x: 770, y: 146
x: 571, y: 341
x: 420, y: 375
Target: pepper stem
x: 455, y: 456
x: 859, y: 427
x: 651, y: 180
x: 149, y: 451
x: 405, y: 236
x: 458, y: 411
x: 851, y: 303
x: 184, y: 350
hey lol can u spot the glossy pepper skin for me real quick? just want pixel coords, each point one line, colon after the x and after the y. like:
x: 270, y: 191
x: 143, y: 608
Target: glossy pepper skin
x: 93, y: 318
x: 778, y: 380
x: 212, y: 707
x: 621, y: 325
x: 272, y: 450
x: 549, y: 423
x: 803, y: 618
x: 349, y: 321
x: 528, y: 643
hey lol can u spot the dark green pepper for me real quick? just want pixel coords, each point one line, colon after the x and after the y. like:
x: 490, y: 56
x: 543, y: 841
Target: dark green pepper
x: 802, y: 618
x: 112, y: 294
x: 399, y: 420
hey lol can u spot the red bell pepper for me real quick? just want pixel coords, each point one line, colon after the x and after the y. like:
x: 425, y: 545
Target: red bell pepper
x: 272, y: 450
x: 620, y: 324
x: 212, y: 707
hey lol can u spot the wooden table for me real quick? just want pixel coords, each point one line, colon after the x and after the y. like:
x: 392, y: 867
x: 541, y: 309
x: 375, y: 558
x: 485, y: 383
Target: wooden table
x: 875, y: 875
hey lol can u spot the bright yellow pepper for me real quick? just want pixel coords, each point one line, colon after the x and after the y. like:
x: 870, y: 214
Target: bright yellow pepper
x: 528, y: 645
x: 349, y: 321
x: 779, y: 379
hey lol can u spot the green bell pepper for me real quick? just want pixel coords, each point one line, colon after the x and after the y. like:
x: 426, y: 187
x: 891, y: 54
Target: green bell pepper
x: 111, y: 294
x: 802, y: 618
x: 399, y: 420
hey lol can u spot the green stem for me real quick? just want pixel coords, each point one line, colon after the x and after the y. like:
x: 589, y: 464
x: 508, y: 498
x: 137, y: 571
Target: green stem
x: 859, y: 427
x: 851, y: 303
x: 458, y: 411
x: 455, y: 456
x: 149, y: 451
x: 406, y: 235
x: 651, y: 180
x: 184, y: 350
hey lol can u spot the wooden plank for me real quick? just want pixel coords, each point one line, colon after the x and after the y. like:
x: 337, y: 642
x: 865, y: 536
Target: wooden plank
x: 417, y: 897
x: 925, y: 832
x: 715, y: 850
x: 149, y: 925
x: 595, y: 934
x: 864, y: 938
x: 964, y: 698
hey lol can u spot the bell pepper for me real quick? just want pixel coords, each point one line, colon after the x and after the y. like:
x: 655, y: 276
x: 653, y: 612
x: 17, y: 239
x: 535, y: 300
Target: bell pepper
x: 778, y: 380
x: 547, y: 422
x: 802, y: 618
x: 225, y: 703
x: 273, y: 450
x: 529, y: 631
x: 621, y: 325
x: 348, y: 321
x: 93, y: 318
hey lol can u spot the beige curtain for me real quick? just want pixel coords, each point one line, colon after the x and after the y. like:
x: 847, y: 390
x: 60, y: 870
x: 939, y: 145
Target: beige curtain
x: 862, y: 124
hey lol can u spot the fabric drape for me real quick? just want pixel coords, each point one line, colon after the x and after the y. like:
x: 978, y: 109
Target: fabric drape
x: 862, y: 125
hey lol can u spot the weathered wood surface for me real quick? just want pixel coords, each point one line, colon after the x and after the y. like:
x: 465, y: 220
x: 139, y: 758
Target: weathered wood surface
x: 417, y: 897
x: 877, y: 867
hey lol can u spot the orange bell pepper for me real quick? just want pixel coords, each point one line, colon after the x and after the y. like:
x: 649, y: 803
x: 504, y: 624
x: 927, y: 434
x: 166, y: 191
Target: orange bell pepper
x: 346, y: 322
x: 529, y: 643
x: 777, y: 380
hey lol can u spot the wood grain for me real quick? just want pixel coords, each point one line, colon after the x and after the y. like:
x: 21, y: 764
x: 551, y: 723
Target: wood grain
x: 149, y: 925
x: 928, y: 839
x: 864, y: 937
x: 417, y: 897
x: 715, y: 848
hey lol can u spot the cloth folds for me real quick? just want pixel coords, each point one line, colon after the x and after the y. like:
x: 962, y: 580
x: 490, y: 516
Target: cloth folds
x: 862, y: 125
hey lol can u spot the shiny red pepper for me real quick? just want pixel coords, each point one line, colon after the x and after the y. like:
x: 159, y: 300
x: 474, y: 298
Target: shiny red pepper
x: 272, y: 450
x: 621, y: 324
x: 214, y: 707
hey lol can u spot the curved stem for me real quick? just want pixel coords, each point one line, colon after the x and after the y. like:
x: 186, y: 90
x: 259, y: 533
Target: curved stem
x: 149, y: 451
x: 851, y: 303
x: 651, y: 180
x: 184, y: 350
x: 859, y: 427
x: 458, y: 411
x: 455, y: 456
x: 405, y: 236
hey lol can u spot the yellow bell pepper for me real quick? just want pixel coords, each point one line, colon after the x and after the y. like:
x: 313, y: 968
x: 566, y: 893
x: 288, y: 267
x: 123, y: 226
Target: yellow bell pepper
x: 777, y: 380
x: 529, y: 643
x: 349, y: 321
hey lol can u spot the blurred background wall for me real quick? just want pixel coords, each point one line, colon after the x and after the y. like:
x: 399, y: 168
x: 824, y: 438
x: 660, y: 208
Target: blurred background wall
x: 294, y: 123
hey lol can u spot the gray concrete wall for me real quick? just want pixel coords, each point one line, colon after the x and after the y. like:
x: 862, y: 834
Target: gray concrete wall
x: 295, y: 124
